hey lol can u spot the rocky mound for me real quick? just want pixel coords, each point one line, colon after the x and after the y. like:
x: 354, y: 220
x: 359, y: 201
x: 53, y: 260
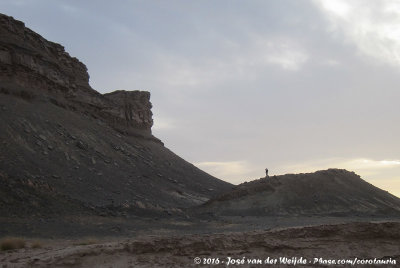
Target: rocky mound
x: 65, y: 146
x: 331, y: 192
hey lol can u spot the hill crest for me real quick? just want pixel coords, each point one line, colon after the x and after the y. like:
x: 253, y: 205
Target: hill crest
x: 335, y: 192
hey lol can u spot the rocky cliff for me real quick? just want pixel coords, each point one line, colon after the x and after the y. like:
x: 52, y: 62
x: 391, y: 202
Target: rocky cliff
x: 31, y: 66
x: 65, y: 147
x: 132, y: 108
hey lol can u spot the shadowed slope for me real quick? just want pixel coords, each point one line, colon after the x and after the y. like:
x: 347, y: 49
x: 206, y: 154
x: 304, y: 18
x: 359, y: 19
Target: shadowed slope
x: 329, y: 192
x: 61, y: 140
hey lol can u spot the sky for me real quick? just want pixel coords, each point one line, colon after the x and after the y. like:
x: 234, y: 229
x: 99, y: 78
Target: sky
x: 240, y: 86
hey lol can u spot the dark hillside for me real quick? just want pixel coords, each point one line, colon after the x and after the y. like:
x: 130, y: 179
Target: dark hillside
x: 61, y: 140
x: 333, y: 192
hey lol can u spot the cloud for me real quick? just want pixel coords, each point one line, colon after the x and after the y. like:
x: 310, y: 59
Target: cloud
x: 163, y: 123
x: 371, y: 26
x: 330, y: 62
x: 373, y: 164
x: 244, y: 61
x: 70, y: 9
x: 232, y: 171
x: 363, y: 165
x: 20, y: 3
x: 338, y: 7
x: 282, y: 52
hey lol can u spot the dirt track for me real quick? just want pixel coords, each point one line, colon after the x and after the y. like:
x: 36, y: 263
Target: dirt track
x: 341, y: 241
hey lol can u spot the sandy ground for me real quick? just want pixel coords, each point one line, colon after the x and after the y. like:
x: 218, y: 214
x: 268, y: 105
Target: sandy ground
x: 314, y: 244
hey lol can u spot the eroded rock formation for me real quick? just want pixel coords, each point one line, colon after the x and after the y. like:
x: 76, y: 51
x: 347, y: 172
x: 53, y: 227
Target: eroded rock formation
x: 31, y: 66
x: 132, y: 108
x: 65, y: 148
x: 26, y: 57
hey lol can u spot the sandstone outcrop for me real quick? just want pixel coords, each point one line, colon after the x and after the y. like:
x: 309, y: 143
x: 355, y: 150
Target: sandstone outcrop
x: 132, y: 108
x: 66, y: 148
x: 29, y: 59
x: 31, y: 66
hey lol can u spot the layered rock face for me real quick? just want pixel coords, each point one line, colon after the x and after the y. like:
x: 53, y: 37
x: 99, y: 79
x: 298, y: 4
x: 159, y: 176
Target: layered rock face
x: 132, y: 108
x: 43, y: 68
x: 66, y: 147
x: 28, y: 59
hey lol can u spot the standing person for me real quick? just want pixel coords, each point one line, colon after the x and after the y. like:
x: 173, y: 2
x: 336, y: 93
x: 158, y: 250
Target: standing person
x: 266, y: 172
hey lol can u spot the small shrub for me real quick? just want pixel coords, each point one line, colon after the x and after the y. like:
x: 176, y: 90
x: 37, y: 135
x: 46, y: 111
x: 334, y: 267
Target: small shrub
x: 87, y: 241
x: 10, y: 243
x: 36, y: 244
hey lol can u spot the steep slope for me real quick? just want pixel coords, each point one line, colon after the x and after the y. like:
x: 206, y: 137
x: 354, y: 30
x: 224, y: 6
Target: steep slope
x: 332, y: 192
x: 63, y: 142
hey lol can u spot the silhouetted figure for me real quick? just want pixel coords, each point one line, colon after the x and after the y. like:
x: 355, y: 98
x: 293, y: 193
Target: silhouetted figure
x: 266, y: 173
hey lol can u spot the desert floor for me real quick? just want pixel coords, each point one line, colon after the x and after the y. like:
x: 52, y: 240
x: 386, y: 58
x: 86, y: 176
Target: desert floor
x: 316, y: 245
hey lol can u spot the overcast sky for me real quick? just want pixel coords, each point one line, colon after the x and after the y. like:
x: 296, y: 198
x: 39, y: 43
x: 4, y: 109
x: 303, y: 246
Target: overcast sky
x: 238, y: 86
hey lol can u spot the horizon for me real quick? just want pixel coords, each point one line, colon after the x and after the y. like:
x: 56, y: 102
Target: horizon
x: 316, y: 89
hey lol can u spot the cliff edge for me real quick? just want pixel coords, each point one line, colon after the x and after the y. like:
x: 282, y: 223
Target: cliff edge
x: 32, y: 67
x: 66, y: 148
